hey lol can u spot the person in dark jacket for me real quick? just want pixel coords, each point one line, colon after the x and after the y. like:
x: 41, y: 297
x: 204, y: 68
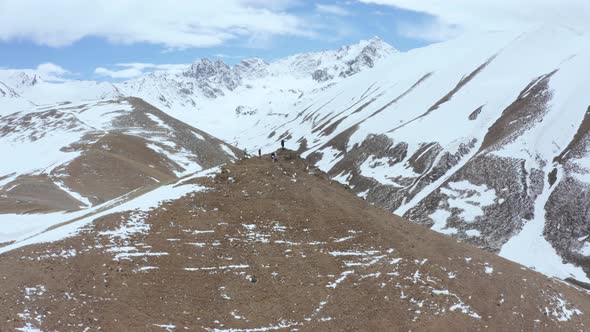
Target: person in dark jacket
x: 259, y: 153
x: 283, y: 144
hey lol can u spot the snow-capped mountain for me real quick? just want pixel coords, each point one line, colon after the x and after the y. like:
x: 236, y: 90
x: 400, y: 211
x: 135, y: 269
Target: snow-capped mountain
x: 327, y: 65
x: 34, y: 88
x: 208, y: 79
x: 488, y: 144
x: 483, y: 137
x: 19, y: 80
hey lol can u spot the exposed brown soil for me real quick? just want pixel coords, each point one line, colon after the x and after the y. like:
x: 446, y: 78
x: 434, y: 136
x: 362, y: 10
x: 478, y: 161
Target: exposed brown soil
x: 577, y: 140
x: 473, y: 116
x: 207, y: 153
x: 35, y: 194
x: 115, y: 165
x: 111, y: 162
x: 276, y: 246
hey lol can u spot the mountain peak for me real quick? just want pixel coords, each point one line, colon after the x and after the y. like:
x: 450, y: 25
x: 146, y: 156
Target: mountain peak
x: 321, y: 66
x: 252, y: 68
x: 18, y: 79
x: 217, y: 72
x: 345, y: 61
x: 378, y: 43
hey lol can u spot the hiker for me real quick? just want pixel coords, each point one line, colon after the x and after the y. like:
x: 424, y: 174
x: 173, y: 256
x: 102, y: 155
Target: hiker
x: 273, y: 156
x: 283, y: 144
x: 259, y: 153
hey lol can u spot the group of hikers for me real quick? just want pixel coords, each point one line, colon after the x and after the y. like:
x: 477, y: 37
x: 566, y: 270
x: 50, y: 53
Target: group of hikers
x: 274, y: 157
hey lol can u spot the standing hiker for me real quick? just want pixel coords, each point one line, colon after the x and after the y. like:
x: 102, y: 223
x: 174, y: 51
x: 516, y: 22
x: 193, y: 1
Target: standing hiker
x: 283, y: 144
x: 259, y: 153
x: 273, y: 156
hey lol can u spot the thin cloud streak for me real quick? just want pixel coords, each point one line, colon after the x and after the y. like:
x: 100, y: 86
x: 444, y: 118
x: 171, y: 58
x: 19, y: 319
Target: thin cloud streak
x: 452, y: 16
x: 136, y: 69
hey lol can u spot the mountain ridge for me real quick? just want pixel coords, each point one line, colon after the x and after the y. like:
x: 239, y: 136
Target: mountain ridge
x: 229, y: 247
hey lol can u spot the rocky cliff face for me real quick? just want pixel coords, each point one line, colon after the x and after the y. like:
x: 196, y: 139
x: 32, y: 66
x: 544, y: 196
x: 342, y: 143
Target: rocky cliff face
x: 215, y: 73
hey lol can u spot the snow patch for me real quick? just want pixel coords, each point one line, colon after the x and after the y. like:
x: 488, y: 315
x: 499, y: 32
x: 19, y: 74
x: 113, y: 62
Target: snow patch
x: 380, y: 170
x: 440, y: 217
x: 159, y: 121
x: 469, y: 198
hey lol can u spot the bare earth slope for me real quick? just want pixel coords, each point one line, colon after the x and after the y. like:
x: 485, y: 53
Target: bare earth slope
x: 274, y: 246
x: 71, y: 156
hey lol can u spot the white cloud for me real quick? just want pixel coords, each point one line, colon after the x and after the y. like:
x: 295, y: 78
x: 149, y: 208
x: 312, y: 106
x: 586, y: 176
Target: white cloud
x: 174, y: 24
x: 493, y: 14
x: 155, y: 67
x: 51, y: 69
x: 123, y: 73
x: 331, y: 9
x: 274, y: 4
x: 46, y: 71
x: 228, y: 56
x: 431, y: 31
x: 136, y: 69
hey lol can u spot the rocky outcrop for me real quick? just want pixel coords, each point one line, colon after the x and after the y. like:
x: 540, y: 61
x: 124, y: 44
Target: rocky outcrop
x: 218, y: 73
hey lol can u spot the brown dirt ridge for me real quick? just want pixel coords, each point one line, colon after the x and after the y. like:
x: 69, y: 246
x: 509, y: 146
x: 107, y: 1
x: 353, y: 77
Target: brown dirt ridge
x: 134, y: 151
x: 274, y: 246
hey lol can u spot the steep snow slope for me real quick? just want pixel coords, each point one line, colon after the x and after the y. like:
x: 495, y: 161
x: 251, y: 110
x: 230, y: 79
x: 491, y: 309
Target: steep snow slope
x: 11, y: 101
x: 7, y: 92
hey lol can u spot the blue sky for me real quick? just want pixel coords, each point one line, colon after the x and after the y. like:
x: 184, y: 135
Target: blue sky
x: 119, y: 39
x: 331, y: 24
